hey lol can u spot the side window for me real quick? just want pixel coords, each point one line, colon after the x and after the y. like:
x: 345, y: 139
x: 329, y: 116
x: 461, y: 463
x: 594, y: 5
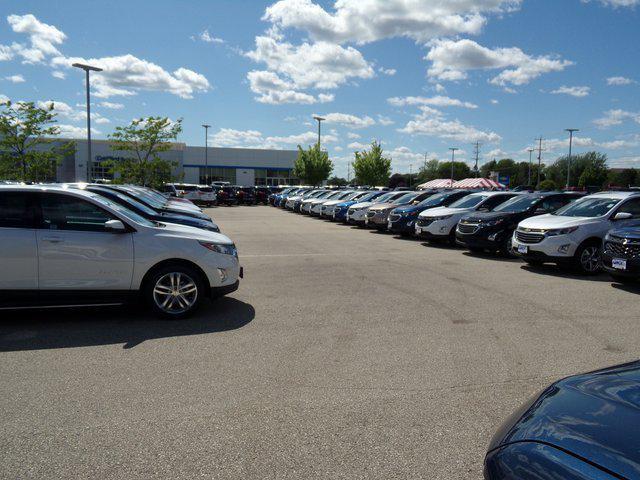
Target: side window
x: 495, y: 200
x: 552, y: 204
x: 632, y: 207
x: 16, y: 210
x: 64, y: 212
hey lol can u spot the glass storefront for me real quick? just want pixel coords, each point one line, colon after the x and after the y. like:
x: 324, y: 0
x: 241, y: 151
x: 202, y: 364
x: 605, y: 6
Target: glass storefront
x: 262, y: 176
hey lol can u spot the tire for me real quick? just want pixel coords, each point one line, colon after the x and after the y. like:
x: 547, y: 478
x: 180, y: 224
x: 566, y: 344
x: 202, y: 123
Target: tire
x: 174, y: 291
x: 507, y: 247
x: 587, y: 259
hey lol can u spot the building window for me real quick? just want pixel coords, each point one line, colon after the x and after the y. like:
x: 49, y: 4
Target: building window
x: 102, y: 167
x: 207, y: 175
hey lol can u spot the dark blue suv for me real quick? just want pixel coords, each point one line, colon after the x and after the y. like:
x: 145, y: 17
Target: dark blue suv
x: 402, y: 220
x: 621, y: 253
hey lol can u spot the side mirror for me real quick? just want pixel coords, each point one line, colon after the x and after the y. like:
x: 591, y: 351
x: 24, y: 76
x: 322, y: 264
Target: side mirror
x: 622, y: 216
x: 115, y: 226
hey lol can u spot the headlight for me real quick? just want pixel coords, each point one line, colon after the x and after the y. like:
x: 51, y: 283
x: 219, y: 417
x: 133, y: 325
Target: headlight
x: 493, y: 223
x: 561, y: 231
x: 410, y: 214
x: 220, y: 248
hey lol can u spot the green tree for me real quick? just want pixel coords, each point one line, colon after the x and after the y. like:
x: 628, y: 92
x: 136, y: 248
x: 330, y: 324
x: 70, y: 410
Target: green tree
x: 337, y: 181
x: 428, y: 171
x: 593, y: 176
x: 312, y: 165
x: 627, y: 177
x: 547, y: 185
x: 579, y: 163
x: 27, y: 151
x: 145, y: 139
x: 460, y: 170
x: 371, y: 167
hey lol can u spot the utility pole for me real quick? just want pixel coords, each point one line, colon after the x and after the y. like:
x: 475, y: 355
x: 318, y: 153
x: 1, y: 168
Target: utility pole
x: 539, y: 161
x: 319, y: 120
x: 348, y: 173
x: 477, y: 155
x: 206, y: 154
x: 453, y: 156
x: 410, y: 172
x: 570, y: 130
x: 530, y: 152
x: 87, y: 69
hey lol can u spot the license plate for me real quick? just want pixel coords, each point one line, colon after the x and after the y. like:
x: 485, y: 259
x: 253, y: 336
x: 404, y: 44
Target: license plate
x: 619, y: 264
x: 523, y: 249
x: 418, y: 230
x: 366, y: 221
x: 389, y: 224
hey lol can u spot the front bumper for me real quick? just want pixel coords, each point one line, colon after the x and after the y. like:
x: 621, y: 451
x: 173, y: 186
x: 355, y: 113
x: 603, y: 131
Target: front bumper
x: 560, y: 248
x: 439, y: 229
x: 625, y: 267
x: 489, y: 239
x: 402, y: 225
x: 357, y: 217
x: 379, y: 221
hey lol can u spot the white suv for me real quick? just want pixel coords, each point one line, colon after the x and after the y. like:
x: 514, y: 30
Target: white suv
x: 573, y: 234
x: 72, y: 247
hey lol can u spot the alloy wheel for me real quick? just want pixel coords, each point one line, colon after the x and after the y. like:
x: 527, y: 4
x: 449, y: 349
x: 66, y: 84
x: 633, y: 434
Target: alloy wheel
x: 590, y: 259
x: 175, y: 293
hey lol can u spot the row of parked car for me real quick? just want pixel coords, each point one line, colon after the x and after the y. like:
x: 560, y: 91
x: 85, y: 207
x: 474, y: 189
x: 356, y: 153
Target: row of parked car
x: 97, y: 244
x: 219, y: 193
x: 584, y: 232
x: 580, y: 427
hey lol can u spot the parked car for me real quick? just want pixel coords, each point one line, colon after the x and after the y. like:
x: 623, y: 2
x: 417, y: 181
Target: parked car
x: 621, y: 253
x: 378, y: 215
x: 293, y: 199
x: 340, y: 209
x: 262, y: 195
x: 403, y: 219
x: 283, y: 197
x: 357, y: 213
x: 275, y: 197
x: 573, y: 234
x: 198, y: 194
x: 579, y: 428
x: 309, y: 203
x: 227, y: 195
x: 297, y: 203
x: 159, y: 202
x: 145, y: 211
x: 493, y: 231
x: 326, y: 210
x: 72, y: 247
x: 246, y: 195
x: 170, y: 190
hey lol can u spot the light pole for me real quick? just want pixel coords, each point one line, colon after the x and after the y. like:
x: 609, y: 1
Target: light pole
x: 206, y: 153
x: 319, y: 120
x: 87, y: 69
x: 410, y: 172
x: 570, y: 130
x: 453, y: 156
x: 530, y: 153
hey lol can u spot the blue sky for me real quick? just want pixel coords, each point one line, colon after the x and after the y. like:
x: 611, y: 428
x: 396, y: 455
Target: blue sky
x: 419, y: 75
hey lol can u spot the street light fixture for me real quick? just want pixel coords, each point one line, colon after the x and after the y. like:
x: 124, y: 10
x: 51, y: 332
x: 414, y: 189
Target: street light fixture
x: 87, y: 69
x: 453, y: 156
x: 531, y: 150
x: 570, y: 130
x: 319, y: 120
x: 206, y: 153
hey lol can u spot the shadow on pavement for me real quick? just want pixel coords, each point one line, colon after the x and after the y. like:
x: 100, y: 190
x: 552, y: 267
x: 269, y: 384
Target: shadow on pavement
x: 130, y: 325
x: 631, y: 287
x: 565, y: 272
x: 493, y: 257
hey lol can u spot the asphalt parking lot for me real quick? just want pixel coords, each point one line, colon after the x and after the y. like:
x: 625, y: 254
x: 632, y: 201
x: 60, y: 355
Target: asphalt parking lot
x: 345, y: 354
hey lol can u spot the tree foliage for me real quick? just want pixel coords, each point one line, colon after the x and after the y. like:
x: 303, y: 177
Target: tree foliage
x: 26, y: 136
x: 337, y: 181
x: 312, y: 165
x: 428, y: 171
x: 460, y: 170
x: 144, y: 139
x: 371, y: 167
x: 595, y: 162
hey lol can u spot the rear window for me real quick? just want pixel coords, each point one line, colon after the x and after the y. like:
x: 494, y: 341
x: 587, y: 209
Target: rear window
x: 16, y: 210
x: 205, y: 189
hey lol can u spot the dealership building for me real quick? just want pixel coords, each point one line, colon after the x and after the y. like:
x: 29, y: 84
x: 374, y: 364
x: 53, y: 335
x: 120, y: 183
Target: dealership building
x: 238, y: 166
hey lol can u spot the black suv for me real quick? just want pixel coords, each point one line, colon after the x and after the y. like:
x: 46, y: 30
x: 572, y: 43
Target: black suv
x: 227, y: 195
x: 493, y: 230
x: 621, y: 253
x: 246, y: 195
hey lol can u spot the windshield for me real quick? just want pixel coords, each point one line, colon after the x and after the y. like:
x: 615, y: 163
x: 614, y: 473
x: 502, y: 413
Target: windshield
x: 518, y: 204
x: 588, y: 207
x: 384, y: 198
x: 434, y: 200
x: 128, y: 202
x: 130, y: 214
x: 406, y: 198
x: 469, y: 201
x: 369, y: 196
x: 146, y: 199
x: 345, y: 196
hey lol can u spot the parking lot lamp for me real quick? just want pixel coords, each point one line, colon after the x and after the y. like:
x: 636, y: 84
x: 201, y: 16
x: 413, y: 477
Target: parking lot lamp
x: 570, y: 130
x: 530, y: 153
x: 453, y: 157
x: 319, y: 120
x: 87, y: 69
x: 206, y: 154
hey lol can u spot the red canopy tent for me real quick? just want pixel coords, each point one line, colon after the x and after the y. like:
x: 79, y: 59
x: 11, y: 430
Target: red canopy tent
x: 485, y: 183
x: 438, y: 183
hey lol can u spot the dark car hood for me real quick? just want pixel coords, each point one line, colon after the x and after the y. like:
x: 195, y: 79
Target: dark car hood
x: 489, y: 216
x: 594, y: 415
x: 629, y: 233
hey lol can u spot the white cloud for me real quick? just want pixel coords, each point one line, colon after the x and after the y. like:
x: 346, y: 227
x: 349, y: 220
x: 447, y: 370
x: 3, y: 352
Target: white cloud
x: 228, y: 137
x: 494, y: 101
x: 350, y: 121
x: 43, y: 38
x: 124, y: 75
x: 353, y: 135
x: 616, y: 117
x: 6, y: 53
x: 437, y: 101
x: 572, y: 91
x: 112, y: 106
x: 207, y: 37
x: 358, y: 146
x: 364, y: 21
x: 338, y: 149
x: 72, y: 131
x: 617, y: 3
x: 562, y: 145
x: 385, y: 121
x: 617, y: 81
x: 272, y: 89
x: 15, y: 78
x: 58, y: 74
x: 64, y: 110
x: 430, y: 122
x: 451, y: 60
x: 388, y: 71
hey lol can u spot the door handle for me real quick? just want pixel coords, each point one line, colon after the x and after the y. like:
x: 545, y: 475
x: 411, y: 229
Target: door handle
x: 52, y: 239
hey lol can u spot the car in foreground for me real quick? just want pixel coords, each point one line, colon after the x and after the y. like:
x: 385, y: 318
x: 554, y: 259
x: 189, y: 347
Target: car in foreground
x: 144, y: 211
x: 580, y: 428
x: 621, y: 253
x: 340, y: 209
x: 439, y: 224
x: 378, y: 215
x: 573, y: 234
x: 69, y: 247
x: 357, y: 214
x: 493, y: 231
